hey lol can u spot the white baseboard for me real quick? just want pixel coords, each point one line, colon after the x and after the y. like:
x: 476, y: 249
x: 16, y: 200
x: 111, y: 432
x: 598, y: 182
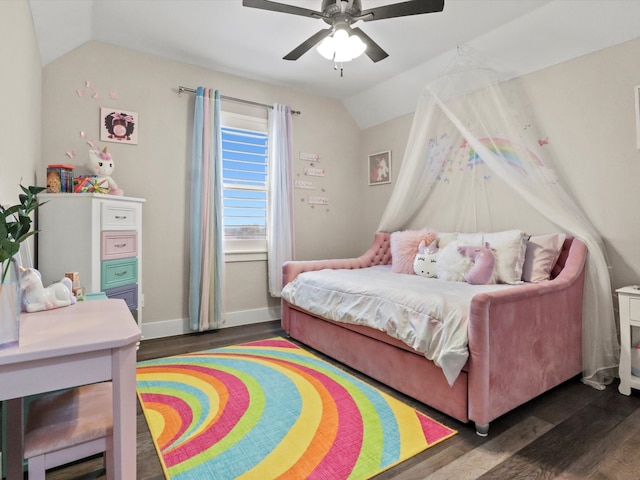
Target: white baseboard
x: 180, y: 326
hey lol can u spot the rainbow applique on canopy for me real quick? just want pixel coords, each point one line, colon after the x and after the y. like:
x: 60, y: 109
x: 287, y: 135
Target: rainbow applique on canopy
x: 514, y: 155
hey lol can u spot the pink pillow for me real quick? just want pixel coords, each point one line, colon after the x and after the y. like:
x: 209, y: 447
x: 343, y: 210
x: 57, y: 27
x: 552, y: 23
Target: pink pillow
x: 541, y: 256
x: 404, y: 247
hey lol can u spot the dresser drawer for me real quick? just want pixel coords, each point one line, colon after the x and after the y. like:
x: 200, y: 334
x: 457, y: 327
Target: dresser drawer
x: 128, y: 293
x: 118, y: 244
x: 116, y: 273
x: 115, y: 216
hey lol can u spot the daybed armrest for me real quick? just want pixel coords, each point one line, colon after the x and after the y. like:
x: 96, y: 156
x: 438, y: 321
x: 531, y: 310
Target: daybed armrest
x: 378, y: 254
x: 525, y: 340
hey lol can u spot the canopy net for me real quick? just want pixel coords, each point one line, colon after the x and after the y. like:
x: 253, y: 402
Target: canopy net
x: 476, y: 161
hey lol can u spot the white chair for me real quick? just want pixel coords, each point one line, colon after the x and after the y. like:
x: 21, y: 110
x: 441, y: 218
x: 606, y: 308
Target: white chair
x: 70, y: 425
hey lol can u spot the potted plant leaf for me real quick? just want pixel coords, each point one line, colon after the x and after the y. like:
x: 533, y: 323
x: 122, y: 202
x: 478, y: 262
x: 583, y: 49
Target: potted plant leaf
x: 15, y: 228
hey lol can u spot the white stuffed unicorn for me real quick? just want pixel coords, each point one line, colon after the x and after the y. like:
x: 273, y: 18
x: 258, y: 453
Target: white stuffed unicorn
x: 101, y: 164
x: 35, y: 297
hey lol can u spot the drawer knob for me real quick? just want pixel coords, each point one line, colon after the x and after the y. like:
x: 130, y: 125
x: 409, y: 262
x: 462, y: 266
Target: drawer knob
x: 120, y: 274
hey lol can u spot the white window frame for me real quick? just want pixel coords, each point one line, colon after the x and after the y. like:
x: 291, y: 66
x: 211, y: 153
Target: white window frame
x: 245, y: 250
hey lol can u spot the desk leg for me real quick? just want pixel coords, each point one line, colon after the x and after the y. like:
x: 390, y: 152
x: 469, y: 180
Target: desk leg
x: 124, y: 413
x: 15, y: 439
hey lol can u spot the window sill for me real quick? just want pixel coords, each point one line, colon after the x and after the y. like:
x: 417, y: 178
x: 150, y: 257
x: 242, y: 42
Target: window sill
x: 245, y: 256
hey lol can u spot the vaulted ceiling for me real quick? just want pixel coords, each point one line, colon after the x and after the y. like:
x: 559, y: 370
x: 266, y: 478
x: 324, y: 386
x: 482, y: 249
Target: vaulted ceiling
x: 513, y: 36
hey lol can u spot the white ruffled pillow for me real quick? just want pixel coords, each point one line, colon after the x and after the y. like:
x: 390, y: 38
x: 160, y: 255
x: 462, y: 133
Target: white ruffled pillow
x: 470, y: 239
x: 451, y: 264
x: 509, y: 248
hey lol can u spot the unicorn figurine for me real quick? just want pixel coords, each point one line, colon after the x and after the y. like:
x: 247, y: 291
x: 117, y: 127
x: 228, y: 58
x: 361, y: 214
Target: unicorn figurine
x: 35, y: 297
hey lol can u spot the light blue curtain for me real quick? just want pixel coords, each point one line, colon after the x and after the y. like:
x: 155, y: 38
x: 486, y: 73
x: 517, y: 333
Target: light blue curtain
x: 280, y: 236
x: 206, y: 275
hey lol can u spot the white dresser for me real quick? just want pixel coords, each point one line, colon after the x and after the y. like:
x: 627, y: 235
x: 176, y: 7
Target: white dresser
x: 97, y: 235
x: 629, y: 305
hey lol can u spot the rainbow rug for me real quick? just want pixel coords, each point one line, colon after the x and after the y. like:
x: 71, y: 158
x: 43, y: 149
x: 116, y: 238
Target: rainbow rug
x: 269, y: 409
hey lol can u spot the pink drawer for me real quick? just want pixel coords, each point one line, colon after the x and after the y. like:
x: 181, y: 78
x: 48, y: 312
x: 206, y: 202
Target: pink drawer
x: 119, y: 244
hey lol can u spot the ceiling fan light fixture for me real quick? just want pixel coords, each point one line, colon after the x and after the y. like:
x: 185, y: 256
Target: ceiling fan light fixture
x: 341, y: 47
x: 356, y: 46
x: 327, y: 48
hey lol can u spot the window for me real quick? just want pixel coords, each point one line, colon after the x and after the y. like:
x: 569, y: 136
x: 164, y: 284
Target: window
x: 245, y: 182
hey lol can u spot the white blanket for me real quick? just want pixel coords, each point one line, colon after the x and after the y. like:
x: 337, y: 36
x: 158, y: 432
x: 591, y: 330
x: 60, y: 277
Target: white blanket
x: 428, y: 314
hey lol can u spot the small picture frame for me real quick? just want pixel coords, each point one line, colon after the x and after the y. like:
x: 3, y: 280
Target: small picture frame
x: 637, y: 88
x: 118, y: 126
x: 379, y: 168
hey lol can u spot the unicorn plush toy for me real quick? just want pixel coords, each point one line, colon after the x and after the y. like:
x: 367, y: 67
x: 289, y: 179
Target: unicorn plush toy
x: 35, y: 297
x: 426, y: 260
x: 101, y: 164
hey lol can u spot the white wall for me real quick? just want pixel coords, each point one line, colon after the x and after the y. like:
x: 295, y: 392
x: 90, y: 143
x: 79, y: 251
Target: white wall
x: 586, y: 108
x: 157, y: 168
x: 20, y: 97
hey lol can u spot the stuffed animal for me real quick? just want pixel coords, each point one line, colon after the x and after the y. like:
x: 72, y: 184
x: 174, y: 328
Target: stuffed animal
x: 35, y: 297
x: 425, y: 262
x: 101, y: 164
x: 452, y: 265
x: 484, y: 262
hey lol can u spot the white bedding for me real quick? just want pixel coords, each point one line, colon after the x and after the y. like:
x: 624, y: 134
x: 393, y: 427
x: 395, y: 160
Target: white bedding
x: 428, y: 314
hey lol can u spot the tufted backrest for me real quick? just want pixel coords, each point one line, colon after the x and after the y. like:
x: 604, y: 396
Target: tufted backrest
x: 379, y: 253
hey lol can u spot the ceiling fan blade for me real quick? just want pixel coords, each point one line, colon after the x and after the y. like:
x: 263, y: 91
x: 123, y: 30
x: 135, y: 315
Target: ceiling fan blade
x: 308, y: 44
x: 373, y: 51
x: 282, y: 8
x: 403, y: 9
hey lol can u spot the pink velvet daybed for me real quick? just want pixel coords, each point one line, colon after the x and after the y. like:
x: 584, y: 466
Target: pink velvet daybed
x: 522, y: 340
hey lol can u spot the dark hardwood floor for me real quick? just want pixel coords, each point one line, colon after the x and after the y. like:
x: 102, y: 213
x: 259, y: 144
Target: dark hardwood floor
x: 572, y: 432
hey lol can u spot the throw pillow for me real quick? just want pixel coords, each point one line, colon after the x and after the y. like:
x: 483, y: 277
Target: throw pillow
x: 509, y: 248
x: 541, y: 255
x: 452, y: 265
x: 404, y: 247
x: 470, y: 239
x: 445, y: 238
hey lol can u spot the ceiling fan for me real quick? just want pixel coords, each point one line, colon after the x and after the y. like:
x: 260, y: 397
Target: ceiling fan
x: 341, y: 14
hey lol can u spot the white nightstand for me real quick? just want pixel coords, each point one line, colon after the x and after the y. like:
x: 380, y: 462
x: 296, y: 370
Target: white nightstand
x: 629, y: 303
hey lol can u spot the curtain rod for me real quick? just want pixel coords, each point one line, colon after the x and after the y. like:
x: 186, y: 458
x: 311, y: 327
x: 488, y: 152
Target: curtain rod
x: 238, y: 100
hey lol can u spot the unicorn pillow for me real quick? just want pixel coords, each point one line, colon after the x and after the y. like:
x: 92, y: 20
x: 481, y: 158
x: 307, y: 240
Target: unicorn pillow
x: 426, y: 260
x: 484, y: 265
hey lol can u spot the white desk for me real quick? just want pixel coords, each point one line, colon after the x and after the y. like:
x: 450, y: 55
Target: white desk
x: 88, y: 342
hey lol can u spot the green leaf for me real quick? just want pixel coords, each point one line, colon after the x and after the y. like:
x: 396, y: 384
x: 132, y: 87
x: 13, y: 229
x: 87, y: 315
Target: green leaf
x: 15, y: 223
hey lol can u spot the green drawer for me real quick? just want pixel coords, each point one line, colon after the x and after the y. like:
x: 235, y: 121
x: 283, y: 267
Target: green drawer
x: 116, y: 273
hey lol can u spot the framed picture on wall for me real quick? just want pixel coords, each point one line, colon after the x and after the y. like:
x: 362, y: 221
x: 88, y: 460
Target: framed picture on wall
x: 118, y: 126
x: 380, y: 168
x: 638, y: 116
